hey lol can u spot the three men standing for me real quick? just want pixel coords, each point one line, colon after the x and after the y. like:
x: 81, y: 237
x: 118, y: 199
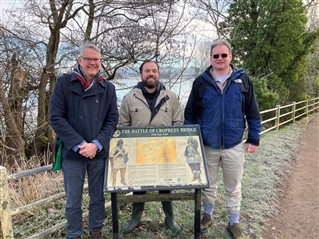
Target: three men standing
x: 221, y: 101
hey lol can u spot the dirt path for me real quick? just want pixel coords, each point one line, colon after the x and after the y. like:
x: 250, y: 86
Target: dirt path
x: 298, y: 216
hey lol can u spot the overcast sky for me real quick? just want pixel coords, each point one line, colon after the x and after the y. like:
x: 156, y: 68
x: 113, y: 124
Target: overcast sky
x: 8, y: 4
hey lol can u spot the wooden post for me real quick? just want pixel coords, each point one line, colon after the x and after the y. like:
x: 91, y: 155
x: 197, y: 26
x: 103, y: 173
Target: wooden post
x: 277, y: 117
x: 6, y: 230
x: 294, y: 112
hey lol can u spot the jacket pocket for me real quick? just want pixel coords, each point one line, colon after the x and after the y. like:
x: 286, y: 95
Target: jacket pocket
x: 137, y: 108
x: 165, y: 109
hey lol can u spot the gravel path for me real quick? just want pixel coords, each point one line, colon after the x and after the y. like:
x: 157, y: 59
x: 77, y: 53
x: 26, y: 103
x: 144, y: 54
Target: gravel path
x: 298, y: 216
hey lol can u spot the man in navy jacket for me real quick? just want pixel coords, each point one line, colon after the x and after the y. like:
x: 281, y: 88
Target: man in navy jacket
x: 221, y: 101
x: 84, y: 118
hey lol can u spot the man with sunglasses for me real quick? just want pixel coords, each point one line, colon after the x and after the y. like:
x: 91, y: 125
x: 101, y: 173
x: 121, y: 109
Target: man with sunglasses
x: 222, y: 101
x: 84, y: 115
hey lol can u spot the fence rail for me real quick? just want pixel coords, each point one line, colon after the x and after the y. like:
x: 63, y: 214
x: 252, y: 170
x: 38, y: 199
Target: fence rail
x: 271, y: 119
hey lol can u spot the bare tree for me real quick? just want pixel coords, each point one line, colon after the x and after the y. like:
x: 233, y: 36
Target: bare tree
x: 213, y: 12
x: 14, y: 142
x: 313, y: 13
x: 45, y: 36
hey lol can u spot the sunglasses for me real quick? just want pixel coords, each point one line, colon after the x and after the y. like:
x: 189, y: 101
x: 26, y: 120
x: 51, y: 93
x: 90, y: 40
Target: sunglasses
x: 216, y: 56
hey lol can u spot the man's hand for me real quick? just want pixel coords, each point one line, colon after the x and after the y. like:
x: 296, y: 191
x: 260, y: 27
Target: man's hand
x: 250, y: 148
x: 88, y: 150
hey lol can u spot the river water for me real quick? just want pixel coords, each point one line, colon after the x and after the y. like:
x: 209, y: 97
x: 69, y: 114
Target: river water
x: 181, y: 87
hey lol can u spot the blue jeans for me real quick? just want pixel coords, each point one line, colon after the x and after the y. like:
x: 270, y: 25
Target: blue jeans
x: 74, y: 175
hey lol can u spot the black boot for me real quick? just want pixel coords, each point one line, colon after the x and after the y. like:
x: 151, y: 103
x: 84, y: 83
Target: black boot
x: 135, y: 220
x: 169, y: 219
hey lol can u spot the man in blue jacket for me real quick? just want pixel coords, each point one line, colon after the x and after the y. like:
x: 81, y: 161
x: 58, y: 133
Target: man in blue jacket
x: 221, y: 101
x: 84, y: 115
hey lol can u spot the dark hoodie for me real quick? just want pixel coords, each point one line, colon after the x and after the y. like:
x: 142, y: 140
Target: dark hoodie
x: 150, y: 97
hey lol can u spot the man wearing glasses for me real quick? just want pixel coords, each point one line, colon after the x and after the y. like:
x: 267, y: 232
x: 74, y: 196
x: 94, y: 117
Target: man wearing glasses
x: 221, y: 101
x: 84, y: 115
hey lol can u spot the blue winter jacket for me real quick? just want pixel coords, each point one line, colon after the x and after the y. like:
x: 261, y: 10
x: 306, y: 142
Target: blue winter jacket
x: 87, y: 116
x: 221, y: 115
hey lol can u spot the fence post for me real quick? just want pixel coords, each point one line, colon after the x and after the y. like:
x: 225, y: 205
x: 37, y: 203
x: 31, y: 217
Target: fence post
x: 277, y: 116
x: 294, y: 112
x: 307, y: 106
x: 6, y: 230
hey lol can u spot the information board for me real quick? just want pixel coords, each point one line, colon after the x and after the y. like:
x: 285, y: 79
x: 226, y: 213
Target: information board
x: 156, y: 158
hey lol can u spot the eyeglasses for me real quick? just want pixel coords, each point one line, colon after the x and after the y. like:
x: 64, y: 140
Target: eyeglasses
x: 89, y: 60
x: 216, y: 56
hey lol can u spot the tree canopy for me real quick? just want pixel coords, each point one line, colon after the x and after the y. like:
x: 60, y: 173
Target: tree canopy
x: 270, y: 39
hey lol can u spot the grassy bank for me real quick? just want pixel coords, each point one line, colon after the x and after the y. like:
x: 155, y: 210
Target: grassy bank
x: 262, y: 176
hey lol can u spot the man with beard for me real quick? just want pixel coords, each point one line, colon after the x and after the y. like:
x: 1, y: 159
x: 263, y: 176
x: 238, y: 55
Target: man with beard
x: 149, y: 103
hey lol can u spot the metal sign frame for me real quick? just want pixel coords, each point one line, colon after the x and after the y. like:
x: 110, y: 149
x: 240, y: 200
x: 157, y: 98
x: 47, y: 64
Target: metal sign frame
x: 156, y: 158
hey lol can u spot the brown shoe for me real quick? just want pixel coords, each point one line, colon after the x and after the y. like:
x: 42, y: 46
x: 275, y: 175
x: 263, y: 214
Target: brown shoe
x: 205, y: 223
x: 236, y: 231
x: 96, y: 233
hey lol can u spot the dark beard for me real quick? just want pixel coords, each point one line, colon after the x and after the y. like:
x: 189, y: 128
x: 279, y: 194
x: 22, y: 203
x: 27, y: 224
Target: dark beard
x: 148, y: 85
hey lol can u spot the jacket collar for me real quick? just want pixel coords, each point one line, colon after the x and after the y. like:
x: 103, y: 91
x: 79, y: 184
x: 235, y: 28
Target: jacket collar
x: 235, y: 74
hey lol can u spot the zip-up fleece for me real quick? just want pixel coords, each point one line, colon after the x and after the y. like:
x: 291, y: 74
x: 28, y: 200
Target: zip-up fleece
x: 222, y: 115
x: 135, y: 110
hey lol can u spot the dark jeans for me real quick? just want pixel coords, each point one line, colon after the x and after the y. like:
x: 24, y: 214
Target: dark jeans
x: 74, y: 175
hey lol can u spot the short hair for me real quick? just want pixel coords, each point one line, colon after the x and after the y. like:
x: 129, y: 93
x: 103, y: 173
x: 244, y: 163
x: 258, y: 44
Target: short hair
x: 146, y: 61
x: 88, y: 45
x: 220, y: 42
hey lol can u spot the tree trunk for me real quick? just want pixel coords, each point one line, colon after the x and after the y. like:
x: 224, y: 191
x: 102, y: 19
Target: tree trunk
x: 44, y: 130
x: 13, y: 147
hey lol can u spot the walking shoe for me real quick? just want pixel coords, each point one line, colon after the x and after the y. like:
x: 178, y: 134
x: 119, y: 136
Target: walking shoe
x: 236, y: 231
x: 205, y: 223
x: 96, y: 233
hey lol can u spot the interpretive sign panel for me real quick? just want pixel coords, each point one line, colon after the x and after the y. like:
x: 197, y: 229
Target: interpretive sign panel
x: 156, y: 158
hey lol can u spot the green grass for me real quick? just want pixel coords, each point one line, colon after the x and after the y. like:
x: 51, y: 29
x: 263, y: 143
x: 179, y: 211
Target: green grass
x: 263, y: 172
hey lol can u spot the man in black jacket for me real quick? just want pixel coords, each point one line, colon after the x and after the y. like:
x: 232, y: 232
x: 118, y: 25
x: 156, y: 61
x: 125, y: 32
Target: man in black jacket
x: 85, y: 123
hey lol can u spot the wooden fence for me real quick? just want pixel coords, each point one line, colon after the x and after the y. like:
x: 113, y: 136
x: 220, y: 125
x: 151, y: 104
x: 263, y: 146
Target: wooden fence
x: 271, y: 119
